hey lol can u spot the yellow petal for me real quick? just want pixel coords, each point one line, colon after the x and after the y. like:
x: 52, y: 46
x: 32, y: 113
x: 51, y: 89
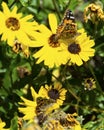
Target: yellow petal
x: 2, y: 124
x: 28, y: 102
x: 53, y: 22
x: 43, y: 29
x: 34, y: 94
x: 14, y: 11
x: 77, y: 127
x: 5, y: 8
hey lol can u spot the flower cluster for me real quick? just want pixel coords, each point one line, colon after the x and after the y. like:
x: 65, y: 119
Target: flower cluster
x: 21, y: 33
x: 55, y: 53
x: 47, y: 96
x: 52, y: 48
x: 43, y: 112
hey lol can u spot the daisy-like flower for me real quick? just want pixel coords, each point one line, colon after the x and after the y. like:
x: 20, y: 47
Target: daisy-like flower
x: 62, y: 121
x: 2, y: 125
x: 89, y: 84
x: 55, y: 92
x: 38, y: 108
x: 52, y: 51
x: 28, y: 110
x: 80, y: 49
x: 73, y: 123
x: 57, y: 51
x: 29, y: 106
x: 14, y: 26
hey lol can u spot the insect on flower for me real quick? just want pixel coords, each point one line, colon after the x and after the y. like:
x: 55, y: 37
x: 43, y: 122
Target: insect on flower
x: 68, y: 27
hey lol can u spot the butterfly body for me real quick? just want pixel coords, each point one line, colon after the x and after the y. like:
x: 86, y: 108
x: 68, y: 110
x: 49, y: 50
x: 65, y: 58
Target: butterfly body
x: 67, y: 28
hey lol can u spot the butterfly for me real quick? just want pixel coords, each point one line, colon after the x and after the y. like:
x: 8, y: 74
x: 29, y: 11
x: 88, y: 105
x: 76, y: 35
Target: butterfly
x: 43, y: 105
x: 68, y: 27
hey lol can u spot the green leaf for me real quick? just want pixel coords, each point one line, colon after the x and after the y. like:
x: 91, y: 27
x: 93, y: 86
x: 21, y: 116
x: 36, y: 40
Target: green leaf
x: 10, y: 2
x: 24, y: 2
x: 89, y: 124
x: 7, y: 80
x: 14, y: 123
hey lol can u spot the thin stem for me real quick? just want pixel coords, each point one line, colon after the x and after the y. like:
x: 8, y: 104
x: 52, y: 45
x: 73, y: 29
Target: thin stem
x: 74, y: 95
x: 91, y: 70
x: 87, y: 107
x: 99, y: 46
x: 68, y: 85
x: 64, y: 69
x: 67, y: 5
x: 95, y: 30
x: 55, y: 77
x: 56, y: 8
x: 12, y: 4
x: 66, y: 107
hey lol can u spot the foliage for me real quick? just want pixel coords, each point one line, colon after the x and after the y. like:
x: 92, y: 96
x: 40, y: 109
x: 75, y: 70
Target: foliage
x: 17, y: 70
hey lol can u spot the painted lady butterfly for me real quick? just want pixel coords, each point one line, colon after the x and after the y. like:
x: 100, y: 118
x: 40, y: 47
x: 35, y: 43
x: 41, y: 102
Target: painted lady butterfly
x: 67, y: 28
x: 42, y: 108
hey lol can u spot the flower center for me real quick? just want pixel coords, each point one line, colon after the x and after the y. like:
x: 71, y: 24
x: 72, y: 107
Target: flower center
x: 74, y: 48
x: 54, y: 94
x: 12, y: 23
x: 89, y: 82
x: 53, y: 41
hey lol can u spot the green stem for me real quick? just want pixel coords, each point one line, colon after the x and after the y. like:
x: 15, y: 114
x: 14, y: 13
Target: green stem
x: 97, y: 83
x: 67, y: 83
x: 94, y: 31
x: 64, y: 69
x: 87, y: 107
x: 56, y: 8
x: 12, y: 4
x: 99, y: 46
x: 56, y: 78
x: 67, y: 5
x: 74, y: 95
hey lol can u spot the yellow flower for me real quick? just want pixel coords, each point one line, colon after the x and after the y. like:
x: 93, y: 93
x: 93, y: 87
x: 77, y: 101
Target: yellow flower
x: 89, y: 84
x: 52, y: 51
x: 55, y: 92
x: 38, y: 108
x: 13, y: 26
x: 29, y: 109
x: 2, y: 124
x: 74, y: 124
x: 29, y: 106
x: 80, y: 49
x: 59, y: 119
x: 60, y: 51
